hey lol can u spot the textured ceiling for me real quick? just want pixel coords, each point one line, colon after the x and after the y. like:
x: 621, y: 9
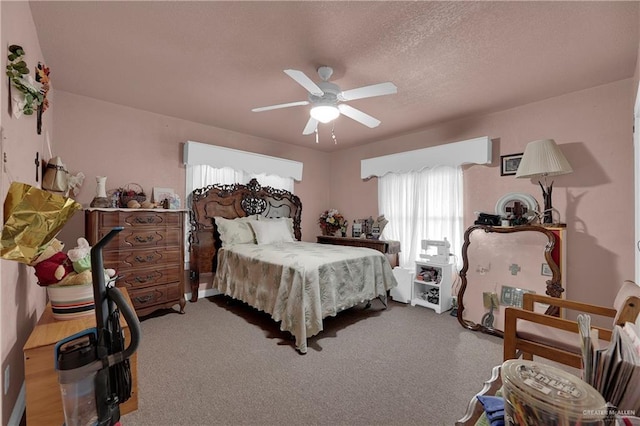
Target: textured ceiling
x: 212, y: 62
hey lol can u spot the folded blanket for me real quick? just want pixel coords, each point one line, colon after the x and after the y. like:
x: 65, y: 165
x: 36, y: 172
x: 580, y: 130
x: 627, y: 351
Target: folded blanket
x: 493, y: 408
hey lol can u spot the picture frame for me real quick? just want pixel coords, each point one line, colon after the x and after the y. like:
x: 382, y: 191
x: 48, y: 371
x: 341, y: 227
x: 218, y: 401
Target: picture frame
x: 160, y: 194
x: 546, y: 270
x: 512, y: 296
x: 509, y: 164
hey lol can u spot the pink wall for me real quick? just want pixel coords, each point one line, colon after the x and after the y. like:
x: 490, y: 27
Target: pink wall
x: 128, y: 145
x: 21, y: 299
x: 594, y: 129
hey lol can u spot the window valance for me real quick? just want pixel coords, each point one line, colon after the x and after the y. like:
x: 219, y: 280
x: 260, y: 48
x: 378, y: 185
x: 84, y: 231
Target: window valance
x: 472, y: 151
x: 196, y: 153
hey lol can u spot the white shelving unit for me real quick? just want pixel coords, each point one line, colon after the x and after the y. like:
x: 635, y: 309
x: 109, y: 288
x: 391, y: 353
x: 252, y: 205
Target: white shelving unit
x: 431, y: 286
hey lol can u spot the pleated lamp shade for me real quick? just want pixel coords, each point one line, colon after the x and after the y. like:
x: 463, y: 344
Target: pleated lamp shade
x: 543, y: 158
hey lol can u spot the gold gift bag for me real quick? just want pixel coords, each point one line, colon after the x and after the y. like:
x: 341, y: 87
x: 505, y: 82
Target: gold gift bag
x: 32, y: 217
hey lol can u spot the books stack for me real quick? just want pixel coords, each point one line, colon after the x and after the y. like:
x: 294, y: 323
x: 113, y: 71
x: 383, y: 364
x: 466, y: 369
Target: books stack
x: 614, y: 371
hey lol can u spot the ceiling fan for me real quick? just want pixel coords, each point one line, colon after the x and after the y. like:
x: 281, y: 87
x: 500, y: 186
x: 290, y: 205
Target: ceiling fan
x: 325, y: 99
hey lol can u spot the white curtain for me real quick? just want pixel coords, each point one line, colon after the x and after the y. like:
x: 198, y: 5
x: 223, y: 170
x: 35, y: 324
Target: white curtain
x: 422, y: 205
x: 199, y: 176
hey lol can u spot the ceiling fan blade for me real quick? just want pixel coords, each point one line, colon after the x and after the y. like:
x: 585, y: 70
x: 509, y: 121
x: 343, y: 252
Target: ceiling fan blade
x: 380, y: 89
x: 304, y: 81
x: 359, y: 116
x: 290, y: 104
x: 311, y: 126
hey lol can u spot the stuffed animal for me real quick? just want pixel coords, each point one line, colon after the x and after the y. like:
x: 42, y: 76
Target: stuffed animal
x: 52, y: 265
x: 75, y: 278
x: 85, y: 277
x: 81, y: 258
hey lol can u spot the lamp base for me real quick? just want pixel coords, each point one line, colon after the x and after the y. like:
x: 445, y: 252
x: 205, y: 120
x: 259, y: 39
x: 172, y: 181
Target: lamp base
x: 548, y: 217
x: 546, y: 196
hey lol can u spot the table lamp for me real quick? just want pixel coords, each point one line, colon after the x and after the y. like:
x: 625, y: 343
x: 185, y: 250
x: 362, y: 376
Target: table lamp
x: 543, y: 158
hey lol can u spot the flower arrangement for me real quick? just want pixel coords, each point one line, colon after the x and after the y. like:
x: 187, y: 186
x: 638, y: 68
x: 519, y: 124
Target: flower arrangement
x: 42, y: 77
x: 28, y: 94
x: 331, y: 221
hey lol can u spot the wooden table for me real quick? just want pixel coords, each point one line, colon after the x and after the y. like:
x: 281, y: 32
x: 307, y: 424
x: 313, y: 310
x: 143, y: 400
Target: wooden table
x: 43, y: 400
x: 390, y: 248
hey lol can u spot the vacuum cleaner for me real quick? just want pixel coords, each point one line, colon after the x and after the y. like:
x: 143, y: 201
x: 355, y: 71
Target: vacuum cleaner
x: 93, y: 365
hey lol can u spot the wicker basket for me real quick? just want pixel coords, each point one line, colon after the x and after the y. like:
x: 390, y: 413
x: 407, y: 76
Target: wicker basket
x: 125, y: 194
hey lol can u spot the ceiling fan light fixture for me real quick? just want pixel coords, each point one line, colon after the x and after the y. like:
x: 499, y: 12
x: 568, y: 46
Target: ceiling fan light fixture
x: 325, y: 113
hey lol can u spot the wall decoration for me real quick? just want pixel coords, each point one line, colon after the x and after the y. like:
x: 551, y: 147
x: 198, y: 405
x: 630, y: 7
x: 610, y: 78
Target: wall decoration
x: 42, y: 77
x: 546, y: 270
x: 519, y: 208
x: 26, y: 93
x: 509, y: 164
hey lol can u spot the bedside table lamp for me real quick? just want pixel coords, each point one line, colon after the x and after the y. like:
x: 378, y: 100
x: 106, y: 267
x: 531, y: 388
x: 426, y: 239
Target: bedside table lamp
x: 543, y: 158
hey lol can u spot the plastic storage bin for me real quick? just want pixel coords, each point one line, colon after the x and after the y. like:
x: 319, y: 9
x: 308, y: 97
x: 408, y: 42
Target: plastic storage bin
x: 538, y: 394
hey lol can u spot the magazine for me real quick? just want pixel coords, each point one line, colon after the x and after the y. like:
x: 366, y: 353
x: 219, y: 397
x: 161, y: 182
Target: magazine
x: 614, y: 371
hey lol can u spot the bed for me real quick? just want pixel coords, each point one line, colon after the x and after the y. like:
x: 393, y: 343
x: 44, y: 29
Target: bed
x: 248, y: 237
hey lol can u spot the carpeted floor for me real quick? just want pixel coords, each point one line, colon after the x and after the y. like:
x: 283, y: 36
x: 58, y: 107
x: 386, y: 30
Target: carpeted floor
x: 225, y: 363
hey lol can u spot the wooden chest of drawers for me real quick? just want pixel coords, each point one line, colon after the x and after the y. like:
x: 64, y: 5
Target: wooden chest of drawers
x: 147, y: 254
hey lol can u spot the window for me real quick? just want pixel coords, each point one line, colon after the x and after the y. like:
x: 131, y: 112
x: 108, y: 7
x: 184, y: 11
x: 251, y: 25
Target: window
x: 420, y: 193
x: 422, y: 205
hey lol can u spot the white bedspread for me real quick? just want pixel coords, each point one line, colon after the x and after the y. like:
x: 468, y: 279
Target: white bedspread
x: 301, y: 283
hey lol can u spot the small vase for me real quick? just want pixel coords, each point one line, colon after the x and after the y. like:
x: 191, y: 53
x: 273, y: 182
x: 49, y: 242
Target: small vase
x: 332, y: 232
x: 100, y: 199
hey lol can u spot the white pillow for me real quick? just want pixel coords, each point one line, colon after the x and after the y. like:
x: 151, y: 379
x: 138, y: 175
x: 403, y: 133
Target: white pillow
x: 287, y: 220
x: 271, y: 231
x: 235, y: 231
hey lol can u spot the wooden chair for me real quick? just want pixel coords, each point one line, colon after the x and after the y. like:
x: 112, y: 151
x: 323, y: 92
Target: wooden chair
x: 530, y: 333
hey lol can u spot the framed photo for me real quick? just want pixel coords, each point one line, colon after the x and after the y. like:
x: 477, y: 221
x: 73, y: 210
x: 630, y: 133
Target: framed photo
x: 160, y: 194
x: 512, y: 296
x: 546, y: 270
x: 509, y: 164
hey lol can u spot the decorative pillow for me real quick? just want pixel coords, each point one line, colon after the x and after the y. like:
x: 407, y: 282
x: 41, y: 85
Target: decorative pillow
x: 287, y: 220
x: 271, y: 231
x: 235, y: 231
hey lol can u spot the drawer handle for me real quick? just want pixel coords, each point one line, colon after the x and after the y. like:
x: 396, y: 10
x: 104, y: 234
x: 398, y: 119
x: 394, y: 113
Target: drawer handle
x: 148, y: 239
x: 141, y: 259
x: 148, y: 219
x: 144, y: 279
x: 144, y: 299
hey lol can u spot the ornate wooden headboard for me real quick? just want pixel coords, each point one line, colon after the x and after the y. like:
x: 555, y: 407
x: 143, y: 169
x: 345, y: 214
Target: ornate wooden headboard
x: 230, y: 202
